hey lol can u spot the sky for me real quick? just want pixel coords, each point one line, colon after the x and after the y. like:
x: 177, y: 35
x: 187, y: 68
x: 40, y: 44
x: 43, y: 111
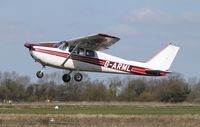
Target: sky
x: 144, y: 26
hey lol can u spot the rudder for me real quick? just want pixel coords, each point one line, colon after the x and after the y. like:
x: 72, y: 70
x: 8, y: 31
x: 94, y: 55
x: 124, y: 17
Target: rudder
x: 163, y: 59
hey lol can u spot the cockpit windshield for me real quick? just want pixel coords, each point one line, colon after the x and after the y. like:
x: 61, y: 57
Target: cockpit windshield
x: 63, y: 46
x: 59, y: 44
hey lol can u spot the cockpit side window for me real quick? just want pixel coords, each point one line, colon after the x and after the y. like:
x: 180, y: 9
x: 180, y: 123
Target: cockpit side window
x: 81, y: 51
x: 71, y: 48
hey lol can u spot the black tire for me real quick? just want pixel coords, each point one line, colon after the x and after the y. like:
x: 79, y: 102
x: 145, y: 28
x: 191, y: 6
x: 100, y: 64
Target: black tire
x: 78, y: 77
x: 66, y: 78
x: 39, y: 74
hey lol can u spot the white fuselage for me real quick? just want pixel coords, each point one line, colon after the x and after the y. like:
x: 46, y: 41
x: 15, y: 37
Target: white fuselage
x: 100, y: 62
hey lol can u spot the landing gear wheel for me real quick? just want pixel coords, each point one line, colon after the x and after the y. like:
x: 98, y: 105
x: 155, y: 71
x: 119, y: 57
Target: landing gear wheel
x: 66, y: 78
x: 39, y: 74
x: 78, y: 77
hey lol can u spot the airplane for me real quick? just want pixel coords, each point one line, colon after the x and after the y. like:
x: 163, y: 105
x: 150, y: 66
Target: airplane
x: 84, y: 54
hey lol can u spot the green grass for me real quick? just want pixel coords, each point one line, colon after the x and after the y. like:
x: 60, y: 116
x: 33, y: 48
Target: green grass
x: 101, y: 109
x: 100, y: 115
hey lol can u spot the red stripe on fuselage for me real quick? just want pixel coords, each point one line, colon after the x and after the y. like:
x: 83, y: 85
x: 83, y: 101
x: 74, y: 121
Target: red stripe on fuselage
x: 61, y: 54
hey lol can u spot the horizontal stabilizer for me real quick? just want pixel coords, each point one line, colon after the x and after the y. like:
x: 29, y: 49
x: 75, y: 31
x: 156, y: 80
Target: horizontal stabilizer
x: 157, y: 72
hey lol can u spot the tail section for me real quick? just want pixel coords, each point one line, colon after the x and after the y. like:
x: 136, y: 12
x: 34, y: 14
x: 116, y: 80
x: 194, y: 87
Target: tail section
x: 163, y: 60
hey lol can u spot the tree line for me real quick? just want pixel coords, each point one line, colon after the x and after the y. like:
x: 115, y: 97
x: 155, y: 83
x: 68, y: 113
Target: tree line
x: 173, y: 88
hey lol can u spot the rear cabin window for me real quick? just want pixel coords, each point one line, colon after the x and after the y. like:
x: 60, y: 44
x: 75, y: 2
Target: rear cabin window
x: 89, y: 53
x: 76, y: 51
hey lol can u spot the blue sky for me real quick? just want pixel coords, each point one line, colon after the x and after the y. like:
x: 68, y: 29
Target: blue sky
x: 144, y: 26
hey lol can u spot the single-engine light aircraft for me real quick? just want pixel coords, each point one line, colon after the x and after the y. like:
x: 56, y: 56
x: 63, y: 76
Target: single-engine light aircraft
x: 84, y: 54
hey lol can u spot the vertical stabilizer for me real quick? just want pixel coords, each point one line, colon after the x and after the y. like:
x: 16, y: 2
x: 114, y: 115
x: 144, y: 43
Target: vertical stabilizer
x: 163, y: 59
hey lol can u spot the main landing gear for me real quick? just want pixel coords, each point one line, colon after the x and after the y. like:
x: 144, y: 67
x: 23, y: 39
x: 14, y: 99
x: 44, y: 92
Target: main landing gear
x: 77, y: 77
x: 66, y: 77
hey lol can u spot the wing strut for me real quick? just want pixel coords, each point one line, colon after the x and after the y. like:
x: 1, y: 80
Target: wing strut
x: 70, y: 54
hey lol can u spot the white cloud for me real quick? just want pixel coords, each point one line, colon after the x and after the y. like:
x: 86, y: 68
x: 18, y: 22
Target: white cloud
x: 136, y: 24
x: 150, y: 16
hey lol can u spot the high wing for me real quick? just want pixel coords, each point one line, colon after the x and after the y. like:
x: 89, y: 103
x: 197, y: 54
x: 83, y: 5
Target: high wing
x: 94, y: 42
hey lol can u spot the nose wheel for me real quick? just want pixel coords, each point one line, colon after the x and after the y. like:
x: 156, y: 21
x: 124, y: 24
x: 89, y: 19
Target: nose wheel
x: 39, y: 74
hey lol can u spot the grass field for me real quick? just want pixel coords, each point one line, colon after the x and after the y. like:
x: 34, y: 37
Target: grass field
x: 100, y: 114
